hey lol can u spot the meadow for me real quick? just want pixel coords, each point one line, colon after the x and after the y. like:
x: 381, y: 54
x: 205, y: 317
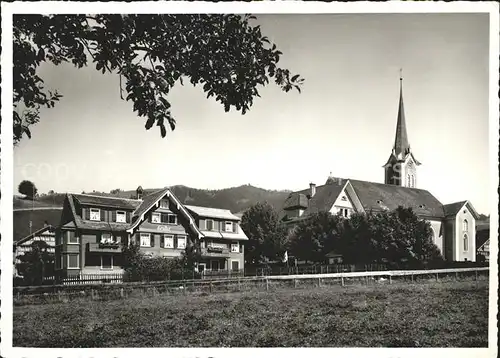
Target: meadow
x: 439, y: 314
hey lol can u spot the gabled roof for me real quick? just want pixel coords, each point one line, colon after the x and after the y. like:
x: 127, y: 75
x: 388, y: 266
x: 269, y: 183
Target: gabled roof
x: 152, y: 200
x: 22, y: 218
x: 453, y: 208
x: 45, y: 229
x: 323, y: 199
x: 211, y: 212
x: 378, y: 197
x: 107, y: 201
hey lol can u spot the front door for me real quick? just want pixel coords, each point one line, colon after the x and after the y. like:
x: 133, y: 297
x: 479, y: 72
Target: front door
x: 214, y: 264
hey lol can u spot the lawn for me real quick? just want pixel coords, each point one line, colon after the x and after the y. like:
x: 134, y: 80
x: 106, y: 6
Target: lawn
x: 441, y: 314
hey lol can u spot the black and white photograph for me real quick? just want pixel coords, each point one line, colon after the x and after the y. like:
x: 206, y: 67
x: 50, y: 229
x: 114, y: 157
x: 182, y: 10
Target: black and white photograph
x: 249, y: 175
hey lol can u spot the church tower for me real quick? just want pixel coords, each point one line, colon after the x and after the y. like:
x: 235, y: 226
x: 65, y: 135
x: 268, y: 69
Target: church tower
x: 401, y: 167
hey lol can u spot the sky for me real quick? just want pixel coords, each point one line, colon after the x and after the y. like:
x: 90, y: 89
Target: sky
x: 343, y: 122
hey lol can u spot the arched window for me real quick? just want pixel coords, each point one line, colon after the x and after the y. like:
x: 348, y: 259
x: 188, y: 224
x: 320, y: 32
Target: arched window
x: 412, y: 181
x: 466, y: 242
x: 408, y: 182
x: 465, y: 225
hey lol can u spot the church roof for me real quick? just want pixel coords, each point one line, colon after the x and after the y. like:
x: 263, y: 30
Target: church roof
x: 373, y: 197
x: 378, y: 197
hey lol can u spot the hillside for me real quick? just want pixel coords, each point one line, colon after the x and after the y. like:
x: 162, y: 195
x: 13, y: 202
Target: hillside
x: 236, y: 199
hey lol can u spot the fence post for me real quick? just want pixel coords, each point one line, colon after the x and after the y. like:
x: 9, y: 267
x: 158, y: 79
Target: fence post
x: 476, y: 274
x: 319, y: 281
x: 121, y: 292
x: 295, y: 283
x: 92, y: 293
x: 412, y: 278
x: 342, y: 280
x: 267, y: 284
x: 390, y: 279
x: 456, y: 275
x: 239, y: 284
x: 210, y: 285
x: 58, y: 295
x: 437, y: 276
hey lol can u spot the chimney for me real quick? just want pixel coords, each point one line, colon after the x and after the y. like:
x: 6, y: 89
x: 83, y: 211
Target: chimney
x: 45, y: 223
x: 312, y: 186
x: 139, y: 192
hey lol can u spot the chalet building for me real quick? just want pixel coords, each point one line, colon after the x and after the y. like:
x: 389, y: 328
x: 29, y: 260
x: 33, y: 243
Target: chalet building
x: 453, y: 225
x: 94, y: 230
x: 222, y: 245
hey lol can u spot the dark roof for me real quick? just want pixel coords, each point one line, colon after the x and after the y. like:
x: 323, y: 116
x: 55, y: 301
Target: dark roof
x: 378, y: 197
x: 453, y: 208
x: 38, y: 217
x: 401, y: 143
x: 106, y: 201
x: 149, y: 200
x: 323, y: 199
x: 482, y: 236
x: 295, y: 200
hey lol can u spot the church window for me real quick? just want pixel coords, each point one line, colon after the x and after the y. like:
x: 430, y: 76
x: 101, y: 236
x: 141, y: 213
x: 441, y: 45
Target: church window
x: 408, y: 180
x: 466, y: 242
x: 412, y: 179
x: 465, y: 225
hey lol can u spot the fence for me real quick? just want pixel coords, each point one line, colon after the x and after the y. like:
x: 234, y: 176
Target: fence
x: 63, y: 293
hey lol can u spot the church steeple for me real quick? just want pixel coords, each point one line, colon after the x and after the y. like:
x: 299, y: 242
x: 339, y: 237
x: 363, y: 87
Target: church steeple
x: 400, y: 169
x: 401, y: 144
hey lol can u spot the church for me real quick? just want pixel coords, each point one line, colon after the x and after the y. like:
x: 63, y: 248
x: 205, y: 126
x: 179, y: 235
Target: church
x: 453, y: 225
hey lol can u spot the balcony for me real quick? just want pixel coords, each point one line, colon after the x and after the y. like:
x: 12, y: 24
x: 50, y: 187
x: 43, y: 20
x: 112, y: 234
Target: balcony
x: 215, y: 251
x: 109, y: 247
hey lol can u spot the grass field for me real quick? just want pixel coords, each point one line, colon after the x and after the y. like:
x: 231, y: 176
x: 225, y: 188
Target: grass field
x: 442, y: 314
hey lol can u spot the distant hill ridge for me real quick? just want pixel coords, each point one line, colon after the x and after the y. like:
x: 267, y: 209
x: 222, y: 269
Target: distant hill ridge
x: 236, y: 199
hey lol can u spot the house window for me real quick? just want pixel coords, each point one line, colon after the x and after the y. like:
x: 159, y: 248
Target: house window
x: 95, y: 214
x: 106, y: 261
x: 73, y: 261
x: 181, y: 242
x: 344, y: 212
x: 235, y: 247
x: 168, y: 241
x: 145, y: 240
x: 155, y: 218
x: 164, y: 204
x: 466, y: 242
x: 71, y: 238
x: 210, y: 224
x: 465, y: 225
x: 172, y: 219
x: 235, y: 265
x: 121, y: 217
x: 229, y: 226
x: 106, y: 238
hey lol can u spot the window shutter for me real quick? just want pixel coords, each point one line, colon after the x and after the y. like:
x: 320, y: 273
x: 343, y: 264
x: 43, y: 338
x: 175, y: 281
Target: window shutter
x: 241, y: 248
x: 138, y: 238
x: 71, y: 236
x: 223, y: 226
x: 201, y: 224
x: 87, y: 213
x: 162, y: 240
x: 103, y: 215
x: 152, y: 240
x: 235, y: 228
x: 128, y: 216
x: 113, y: 216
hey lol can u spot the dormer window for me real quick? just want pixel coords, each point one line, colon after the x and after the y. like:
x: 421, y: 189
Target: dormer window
x: 229, y: 226
x: 95, y: 214
x: 210, y: 224
x: 121, y: 217
x: 164, y: 204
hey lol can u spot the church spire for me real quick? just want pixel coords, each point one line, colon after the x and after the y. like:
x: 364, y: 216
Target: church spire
x: 401, y: 143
